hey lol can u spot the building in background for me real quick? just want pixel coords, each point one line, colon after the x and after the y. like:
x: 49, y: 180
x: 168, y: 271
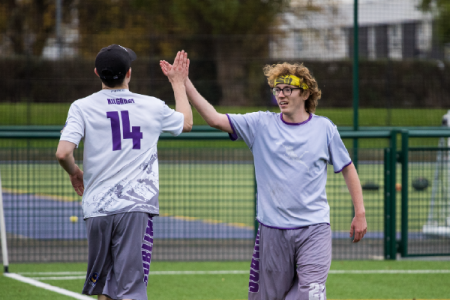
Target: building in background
x: 394, y: 29
x: 65, y: 45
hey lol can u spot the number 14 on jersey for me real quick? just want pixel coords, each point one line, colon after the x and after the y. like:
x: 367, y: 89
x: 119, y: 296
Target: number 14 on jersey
x: 135, y: 134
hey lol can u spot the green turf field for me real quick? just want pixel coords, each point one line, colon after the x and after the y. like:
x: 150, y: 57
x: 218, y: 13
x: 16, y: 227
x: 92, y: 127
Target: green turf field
x: 391, y: 282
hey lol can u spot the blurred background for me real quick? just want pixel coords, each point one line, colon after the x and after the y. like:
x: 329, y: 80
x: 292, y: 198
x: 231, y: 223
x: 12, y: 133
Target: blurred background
x: 391, y: 74
x: 48, y: 47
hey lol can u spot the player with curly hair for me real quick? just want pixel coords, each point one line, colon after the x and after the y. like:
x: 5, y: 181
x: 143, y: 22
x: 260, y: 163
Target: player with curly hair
x: 291, y: 150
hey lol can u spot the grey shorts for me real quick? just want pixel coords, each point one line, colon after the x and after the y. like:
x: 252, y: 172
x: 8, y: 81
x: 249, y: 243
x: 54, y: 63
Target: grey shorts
x: 290, y: 263
x: 120, y: 251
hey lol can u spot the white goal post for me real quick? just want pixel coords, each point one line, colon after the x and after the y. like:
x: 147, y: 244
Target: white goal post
x: 3, y: 231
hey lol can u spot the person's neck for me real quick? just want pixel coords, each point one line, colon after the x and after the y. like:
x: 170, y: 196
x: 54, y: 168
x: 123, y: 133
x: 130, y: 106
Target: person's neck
x: 120, y: 87
x: 298, y: 117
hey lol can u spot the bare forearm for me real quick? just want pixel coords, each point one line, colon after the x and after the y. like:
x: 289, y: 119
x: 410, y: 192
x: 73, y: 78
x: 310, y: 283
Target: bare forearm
x: 68, y: 164
x: 182, y: 105
x: 358, y: 227
x: 354, y: 187
x: 64, y: 154
x: 206, y: 110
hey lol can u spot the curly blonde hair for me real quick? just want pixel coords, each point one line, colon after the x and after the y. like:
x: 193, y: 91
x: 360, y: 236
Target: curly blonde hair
x: 272, y: 72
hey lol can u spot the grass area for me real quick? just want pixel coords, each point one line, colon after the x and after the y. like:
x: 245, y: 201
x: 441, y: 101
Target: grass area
x: 235, y: 286
x: 389, y: 286
x: 56, y: 113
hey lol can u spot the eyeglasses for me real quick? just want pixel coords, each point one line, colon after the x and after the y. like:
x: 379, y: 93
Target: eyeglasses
x: 287, y: 91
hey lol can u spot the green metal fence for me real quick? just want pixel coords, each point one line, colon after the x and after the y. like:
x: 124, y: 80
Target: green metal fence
x: 207, y: 197
x: 425, y: 202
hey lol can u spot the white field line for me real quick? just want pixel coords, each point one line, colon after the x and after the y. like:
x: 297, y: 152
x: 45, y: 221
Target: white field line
x: 81, y: 275
x: 59, y: 278
x: 52, y: 273
x: 151, y: 272
x: 389, y: 272
x: 47, y: 286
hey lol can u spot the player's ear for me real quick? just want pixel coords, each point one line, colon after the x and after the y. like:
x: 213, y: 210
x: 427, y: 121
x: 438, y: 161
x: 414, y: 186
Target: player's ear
x: 96, y: 73
x: 305, y: 94
x: 128, y: 75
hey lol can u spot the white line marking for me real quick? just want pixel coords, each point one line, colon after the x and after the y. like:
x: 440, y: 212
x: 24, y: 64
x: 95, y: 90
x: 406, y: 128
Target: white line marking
x: 52, y: 273
x: 151, y: 273
x: 47, y: 286
x: 59, y: 278
x: 81, y: 275
x: 389, y: 272
x: 198, y: 272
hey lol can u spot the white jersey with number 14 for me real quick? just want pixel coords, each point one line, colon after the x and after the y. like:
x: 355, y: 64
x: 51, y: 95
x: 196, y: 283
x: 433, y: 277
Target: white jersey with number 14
x: 120, y: 130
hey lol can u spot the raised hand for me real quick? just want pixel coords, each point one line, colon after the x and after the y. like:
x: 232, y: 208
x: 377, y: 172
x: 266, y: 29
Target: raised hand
x: 165, y: 67
x: 177, y: 75
x: 179, y: 71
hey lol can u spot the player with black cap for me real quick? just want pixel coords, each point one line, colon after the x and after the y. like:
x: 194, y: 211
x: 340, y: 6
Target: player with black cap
x: 120, y: 183
x: 113, y: 63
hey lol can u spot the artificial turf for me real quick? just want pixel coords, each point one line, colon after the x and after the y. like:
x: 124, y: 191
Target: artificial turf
x: 234, y: 286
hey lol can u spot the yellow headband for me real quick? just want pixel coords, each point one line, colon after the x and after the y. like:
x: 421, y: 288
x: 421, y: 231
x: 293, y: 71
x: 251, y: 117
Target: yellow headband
x: 291, y: 80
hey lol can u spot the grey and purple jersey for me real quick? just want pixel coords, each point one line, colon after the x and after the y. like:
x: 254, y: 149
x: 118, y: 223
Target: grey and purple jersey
x: 291, y: 166
x: 120, y: 130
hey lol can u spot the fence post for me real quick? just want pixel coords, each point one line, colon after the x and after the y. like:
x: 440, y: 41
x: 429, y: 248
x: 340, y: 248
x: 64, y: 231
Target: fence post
x: 387, y: 196
x: 404, y: 161
x: 393, y: 202
x: 390, y: 161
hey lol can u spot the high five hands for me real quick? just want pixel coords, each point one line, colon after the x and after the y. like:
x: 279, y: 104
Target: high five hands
x: 179, y: 71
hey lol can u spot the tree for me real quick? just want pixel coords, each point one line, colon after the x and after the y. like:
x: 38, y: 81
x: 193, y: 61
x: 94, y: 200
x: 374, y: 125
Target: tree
x: 232, y: 33
x: 105, y: 22
x: 228, y: 32
x: 27, y: 24
x: 441, y: 9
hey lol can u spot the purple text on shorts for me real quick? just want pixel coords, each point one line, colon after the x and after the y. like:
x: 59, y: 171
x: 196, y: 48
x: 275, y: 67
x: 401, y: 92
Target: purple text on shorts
x: 147, y: 247
x: 253, y: 286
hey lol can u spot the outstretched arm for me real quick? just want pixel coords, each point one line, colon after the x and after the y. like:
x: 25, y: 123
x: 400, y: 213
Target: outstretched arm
x: 64, y: 154
x: 359, y: 224
x: 205, y: 109
x: 177, y: 76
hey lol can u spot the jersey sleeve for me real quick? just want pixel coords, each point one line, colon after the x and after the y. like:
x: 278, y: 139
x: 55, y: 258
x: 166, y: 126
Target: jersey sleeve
x: 73, y: 130
x: 339, y: 156
x: 172, y: 121
x: 244, y: 127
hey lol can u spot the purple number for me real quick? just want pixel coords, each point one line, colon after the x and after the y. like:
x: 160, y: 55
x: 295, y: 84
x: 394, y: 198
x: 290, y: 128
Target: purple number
x: 115, y: 129
x: 135, y: 134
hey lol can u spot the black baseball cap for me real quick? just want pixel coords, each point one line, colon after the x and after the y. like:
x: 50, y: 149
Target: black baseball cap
x: 114, y: 61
